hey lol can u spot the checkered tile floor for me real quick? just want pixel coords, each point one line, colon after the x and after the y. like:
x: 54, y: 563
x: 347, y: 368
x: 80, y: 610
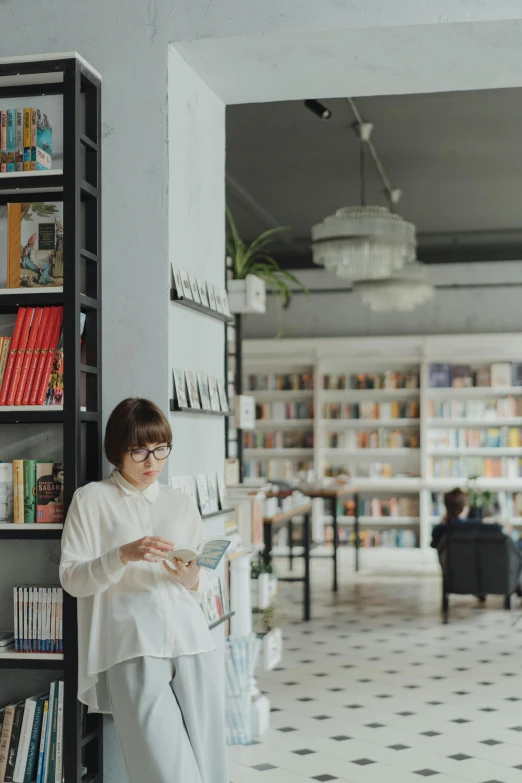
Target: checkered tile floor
x: 376, y: 690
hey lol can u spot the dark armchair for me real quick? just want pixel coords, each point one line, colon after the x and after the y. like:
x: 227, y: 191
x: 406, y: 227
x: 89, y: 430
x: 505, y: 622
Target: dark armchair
x: 478, y: 559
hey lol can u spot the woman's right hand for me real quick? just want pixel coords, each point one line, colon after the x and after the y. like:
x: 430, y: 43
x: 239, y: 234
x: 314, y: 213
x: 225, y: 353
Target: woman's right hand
x: 150, y: 548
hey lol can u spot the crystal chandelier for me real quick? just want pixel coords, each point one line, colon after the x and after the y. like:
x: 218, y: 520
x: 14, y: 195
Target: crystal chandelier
x: 404, y: 290
x: 363, y: 243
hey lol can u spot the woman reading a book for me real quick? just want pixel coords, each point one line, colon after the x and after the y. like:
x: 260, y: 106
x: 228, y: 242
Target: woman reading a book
x: 145, y: 652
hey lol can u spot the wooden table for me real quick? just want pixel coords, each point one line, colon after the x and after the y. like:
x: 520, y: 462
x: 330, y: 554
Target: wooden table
x: 280, y: 518
x: 334, y: 494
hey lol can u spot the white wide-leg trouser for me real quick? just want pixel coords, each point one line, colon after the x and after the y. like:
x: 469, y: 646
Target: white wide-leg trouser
x: 169, y: 716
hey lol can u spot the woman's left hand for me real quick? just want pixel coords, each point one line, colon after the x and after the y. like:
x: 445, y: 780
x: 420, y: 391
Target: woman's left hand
x: 187, y: 575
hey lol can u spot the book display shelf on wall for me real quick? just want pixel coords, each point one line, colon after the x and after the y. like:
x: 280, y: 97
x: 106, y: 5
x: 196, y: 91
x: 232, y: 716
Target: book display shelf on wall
x: 402, y: 441
x: 78, y: 186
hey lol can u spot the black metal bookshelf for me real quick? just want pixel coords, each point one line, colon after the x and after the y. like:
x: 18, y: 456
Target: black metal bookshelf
x: 78, y: 186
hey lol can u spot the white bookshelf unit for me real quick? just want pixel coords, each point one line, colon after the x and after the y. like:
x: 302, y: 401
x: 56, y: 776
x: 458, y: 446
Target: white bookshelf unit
x: 422, y: 442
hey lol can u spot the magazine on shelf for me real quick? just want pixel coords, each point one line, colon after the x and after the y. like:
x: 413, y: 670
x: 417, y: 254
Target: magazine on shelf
x: 193, y: 395
x: 222, y: 395
x: 204, y: 499
x: 208, y: 554
x: 217, y: 295
x: 222, y: 491
x: 211, y: 296
x: 186, y: 289
x: 213, y: 492
x: 180, y: 388
x: 194, y: 288
x: 178, y: 282
x: 202, y: 288
x: 224, y: 302
x: 203, y: 390
x: 190, y: 488
x: 214, y: 394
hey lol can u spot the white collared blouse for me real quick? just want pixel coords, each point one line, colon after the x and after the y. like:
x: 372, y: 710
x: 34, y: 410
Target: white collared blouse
x: 128, y: 611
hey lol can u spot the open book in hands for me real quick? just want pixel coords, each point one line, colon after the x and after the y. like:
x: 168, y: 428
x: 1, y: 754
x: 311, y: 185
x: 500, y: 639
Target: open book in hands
x: 208, y: 555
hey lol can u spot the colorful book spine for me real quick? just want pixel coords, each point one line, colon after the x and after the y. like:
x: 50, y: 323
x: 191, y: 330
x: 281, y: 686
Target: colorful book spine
x: 59, y: 737
x: 15, y: 616
x: 11, y: 121
x: 27, y: 139
x: 3, y: 141
x: 35, y: 358
x: 28, y: 355
x: 42, y: 741
x: 25, y: 739
x: 18, y: 491
x: 44, y: 141
x: 29, y: 491
x: 19, y: 140
x: 54, y: 736
x: 49, y: 359
x: 48, y: 739
x: 32, y: 755
x: 42, y: 359
x: 33, y: 139
x: 54, y: 395
x: 20, y: 353
x: 15, y: 742
x: 13, y: 350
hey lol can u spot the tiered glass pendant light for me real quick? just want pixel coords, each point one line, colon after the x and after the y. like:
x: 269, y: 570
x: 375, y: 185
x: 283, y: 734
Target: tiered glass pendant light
x: 373, y: 246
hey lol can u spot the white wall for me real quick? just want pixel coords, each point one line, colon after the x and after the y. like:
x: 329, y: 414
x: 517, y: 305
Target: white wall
x: 495, y: 307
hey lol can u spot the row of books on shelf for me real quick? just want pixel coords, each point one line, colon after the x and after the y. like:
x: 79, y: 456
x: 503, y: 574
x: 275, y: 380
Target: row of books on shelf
x: 31, y: 361
x: 459, y: 376
x: 38, y: 619
x: 280, y: 381
x: 284, y: 410
x: 276, y: 469
x: 391, y: 537
x: 207, y: 490
x: 382, y: 438
x: 381, y: 507
x: 31, y: 491
x: 278, y: 440
x: 470, y: 467
x: 372, y: 410
x: 199, y: 390
x: 493, y: 437
x: 367, y: 470
x: 200, y: 291
x: 489, y: 410
x: 403, y: 379
x: 26, y: 140
x: 31, y: 744
x: 217, y: 602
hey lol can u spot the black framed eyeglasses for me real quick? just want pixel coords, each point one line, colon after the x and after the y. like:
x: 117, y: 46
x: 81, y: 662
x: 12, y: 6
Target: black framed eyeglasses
x: 160, y: 452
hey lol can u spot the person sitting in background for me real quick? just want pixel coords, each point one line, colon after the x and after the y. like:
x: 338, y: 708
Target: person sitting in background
x: 456, y: 503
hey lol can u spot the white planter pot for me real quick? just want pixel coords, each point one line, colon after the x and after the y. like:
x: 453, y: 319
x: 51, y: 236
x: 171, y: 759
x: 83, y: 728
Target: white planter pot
x: 247, y: 296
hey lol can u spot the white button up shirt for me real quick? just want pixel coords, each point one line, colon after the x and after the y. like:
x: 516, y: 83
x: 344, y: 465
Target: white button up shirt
x: 128, y: 611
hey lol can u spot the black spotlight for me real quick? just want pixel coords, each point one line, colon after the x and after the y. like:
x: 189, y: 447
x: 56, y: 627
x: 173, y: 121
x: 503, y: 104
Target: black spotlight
x: 319, y: 109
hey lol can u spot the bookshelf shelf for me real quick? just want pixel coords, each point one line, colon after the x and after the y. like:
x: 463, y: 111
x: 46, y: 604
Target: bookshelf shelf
x: 199, y: 308
x: 369, y: 453
x: 8, y: 530
x: 281, y: 424
x: 472, y: 392
x: 494, y: 484
x: 220, y: 513
x: 478, y: 452
x: 269, y: 453
x: 475, y: 423
x: 70, y: 76
x: 266, y: 396
x: 370, y: 424
x: 197, y: 411
x: 346, y: 395
x: 377, y: 521
x: 221, y: 620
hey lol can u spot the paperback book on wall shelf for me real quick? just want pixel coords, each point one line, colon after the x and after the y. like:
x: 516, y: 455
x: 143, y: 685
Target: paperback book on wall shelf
x: 202, y: 288
x: 192, y: 389
x: 178, y: 282
x: 211, y: 297
x: 203, y: 495
x: 208, y: 554
x: 194, y: 288
x: 223, y: 401
x: 203, y: 390
x: 224, y: 301
x: 214, y: 394
x: 213, y: 492
x: 35, y: 245
x: 180, y: 389
x: 190, y: 489
x: 222, y: 491
x: 217, y: 296
x: 186, y: 290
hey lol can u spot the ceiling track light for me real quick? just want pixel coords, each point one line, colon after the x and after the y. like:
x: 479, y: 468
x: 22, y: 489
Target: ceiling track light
x: 319, y: 109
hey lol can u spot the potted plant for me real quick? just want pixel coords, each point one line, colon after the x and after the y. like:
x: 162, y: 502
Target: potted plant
x: 253, y: 268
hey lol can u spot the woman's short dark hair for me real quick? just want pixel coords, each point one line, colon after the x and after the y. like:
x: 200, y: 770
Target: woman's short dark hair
x: 455, y: 502
x: 134, y: 423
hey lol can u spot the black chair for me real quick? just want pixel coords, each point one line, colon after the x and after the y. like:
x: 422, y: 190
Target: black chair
x: 478, y: 559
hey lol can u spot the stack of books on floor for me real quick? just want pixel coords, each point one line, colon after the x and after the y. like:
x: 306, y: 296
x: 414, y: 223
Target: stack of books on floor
x: 31, y: 361
x: 31, y: 740
x: 31, y: 491
x: 26, y: 140
x: 38, y: 619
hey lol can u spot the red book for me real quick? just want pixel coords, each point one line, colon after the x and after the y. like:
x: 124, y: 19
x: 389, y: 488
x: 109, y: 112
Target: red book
x: 22, y: 345
x: 31, y: 342
x: 40, y: 365
x: 36, y: 355
x: 46, y: 374
x: 12, y: 354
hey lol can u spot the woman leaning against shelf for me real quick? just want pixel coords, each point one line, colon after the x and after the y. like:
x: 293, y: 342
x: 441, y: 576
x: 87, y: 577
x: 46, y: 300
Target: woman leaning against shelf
x: 145, y: 652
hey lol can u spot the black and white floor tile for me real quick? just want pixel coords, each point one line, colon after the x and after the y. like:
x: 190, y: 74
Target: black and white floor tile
x: 376, y: 690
